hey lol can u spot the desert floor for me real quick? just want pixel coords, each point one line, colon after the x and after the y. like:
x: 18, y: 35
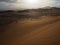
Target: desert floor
x: 42, y: 31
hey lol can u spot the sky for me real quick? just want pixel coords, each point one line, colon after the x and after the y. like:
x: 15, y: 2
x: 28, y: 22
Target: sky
x: 27, y: 4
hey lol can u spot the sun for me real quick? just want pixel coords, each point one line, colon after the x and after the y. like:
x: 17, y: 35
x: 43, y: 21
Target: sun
x: 31, y: 1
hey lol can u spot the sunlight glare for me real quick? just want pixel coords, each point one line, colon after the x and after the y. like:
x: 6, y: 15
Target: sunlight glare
x: 31, y: 1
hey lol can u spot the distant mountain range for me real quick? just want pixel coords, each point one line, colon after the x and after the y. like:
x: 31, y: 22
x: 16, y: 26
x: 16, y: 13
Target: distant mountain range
x: 48, y: 7
x: 40, y: 11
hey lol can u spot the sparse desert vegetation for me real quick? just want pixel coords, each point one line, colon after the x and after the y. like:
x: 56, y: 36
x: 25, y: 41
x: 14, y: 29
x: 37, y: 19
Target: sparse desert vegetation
x: 9, y: 16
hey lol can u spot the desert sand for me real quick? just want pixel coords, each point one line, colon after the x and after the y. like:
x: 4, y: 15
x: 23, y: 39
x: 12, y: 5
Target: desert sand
x: 42, y: 31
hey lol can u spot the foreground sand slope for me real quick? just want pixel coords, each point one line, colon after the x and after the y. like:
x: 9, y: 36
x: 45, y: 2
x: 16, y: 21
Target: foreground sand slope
x: 43, y: 31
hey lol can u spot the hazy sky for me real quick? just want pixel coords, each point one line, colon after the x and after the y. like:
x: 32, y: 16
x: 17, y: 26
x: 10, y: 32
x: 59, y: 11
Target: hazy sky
x: 27, y: 4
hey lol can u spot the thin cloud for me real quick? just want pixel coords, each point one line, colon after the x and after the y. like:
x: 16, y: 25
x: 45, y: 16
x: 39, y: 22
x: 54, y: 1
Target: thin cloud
x: 19, y: 4
x: 11, y: 1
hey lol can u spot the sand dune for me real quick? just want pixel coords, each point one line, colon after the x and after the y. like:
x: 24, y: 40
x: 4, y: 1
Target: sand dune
x: 42, y: 31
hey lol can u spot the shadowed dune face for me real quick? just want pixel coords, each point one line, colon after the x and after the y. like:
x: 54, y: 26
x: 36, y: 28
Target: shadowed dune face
x: 42, y: 31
